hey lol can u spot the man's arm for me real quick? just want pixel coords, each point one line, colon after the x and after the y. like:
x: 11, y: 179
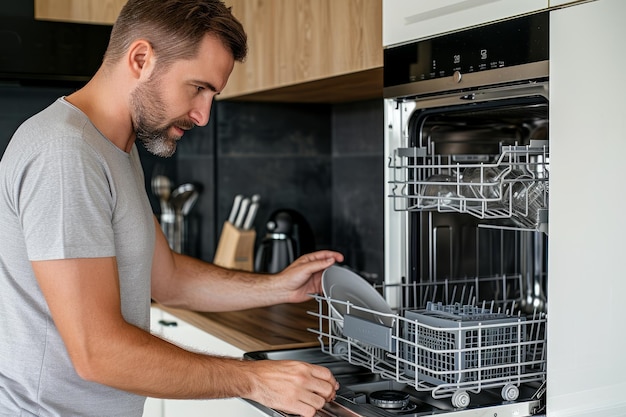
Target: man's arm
x: 183, y: 281
x: 84, y: 299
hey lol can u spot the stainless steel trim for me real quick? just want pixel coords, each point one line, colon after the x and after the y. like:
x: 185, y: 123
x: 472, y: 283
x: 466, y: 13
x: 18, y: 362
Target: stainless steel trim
x: 517, y: 73
x: 277, y: 236
x: 477, y: 96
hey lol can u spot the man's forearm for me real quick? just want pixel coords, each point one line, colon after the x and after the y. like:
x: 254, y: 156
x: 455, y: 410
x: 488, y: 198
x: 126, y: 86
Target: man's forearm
x: 202, y: 286
x: 133, y: 360
x: 136, y: 361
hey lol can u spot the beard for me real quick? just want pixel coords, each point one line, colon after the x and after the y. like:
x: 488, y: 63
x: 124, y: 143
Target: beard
x: 148, y: 113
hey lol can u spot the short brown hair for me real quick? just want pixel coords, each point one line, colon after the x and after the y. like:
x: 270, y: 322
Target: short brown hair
x: 175, y: 28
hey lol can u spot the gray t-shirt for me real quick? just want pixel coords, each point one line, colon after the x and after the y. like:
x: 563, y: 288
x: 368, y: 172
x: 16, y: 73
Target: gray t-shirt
x: 66, y: 192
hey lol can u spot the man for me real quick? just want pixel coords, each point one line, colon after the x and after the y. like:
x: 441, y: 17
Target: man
x: 83, y: 254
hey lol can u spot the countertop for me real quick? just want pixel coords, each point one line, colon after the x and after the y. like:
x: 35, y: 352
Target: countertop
x: 281, y: 326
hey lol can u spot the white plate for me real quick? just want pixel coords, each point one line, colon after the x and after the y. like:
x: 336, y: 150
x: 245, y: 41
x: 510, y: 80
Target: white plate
x: 341, y: 284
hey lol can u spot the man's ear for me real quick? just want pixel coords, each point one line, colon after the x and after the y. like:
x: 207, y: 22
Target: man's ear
x: 141, y: 59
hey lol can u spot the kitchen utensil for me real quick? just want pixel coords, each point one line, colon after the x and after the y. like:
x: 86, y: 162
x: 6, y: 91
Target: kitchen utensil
x: 241, y: 215
x: 343, y: 285
x: 181, y: 195
x: 190, y: 202
x: 162, y: 188
x: 233, y: 212
x: 181, y: 202
x: 254, y: 206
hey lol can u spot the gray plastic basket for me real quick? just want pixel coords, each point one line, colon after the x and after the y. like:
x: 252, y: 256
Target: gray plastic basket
x: 454, y: 343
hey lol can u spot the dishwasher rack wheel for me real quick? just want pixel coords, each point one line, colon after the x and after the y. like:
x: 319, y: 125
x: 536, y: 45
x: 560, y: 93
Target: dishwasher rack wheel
x: 460, y: 399
x: 510, y: 392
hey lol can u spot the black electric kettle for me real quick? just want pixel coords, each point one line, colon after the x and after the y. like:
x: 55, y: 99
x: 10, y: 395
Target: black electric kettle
x: 288, y: 235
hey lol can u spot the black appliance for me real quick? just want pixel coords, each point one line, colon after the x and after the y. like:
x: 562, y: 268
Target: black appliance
x: 36, y: 52
x: 288, y: 236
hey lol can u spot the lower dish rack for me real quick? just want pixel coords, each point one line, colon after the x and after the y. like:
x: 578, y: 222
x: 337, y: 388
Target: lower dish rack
x: 449, y: 348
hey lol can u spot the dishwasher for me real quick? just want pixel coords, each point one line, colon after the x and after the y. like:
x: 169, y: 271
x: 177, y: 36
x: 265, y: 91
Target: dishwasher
x: 466, y: 236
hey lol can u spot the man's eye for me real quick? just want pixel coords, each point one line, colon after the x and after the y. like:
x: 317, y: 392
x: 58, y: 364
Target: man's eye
x: 199, y: 88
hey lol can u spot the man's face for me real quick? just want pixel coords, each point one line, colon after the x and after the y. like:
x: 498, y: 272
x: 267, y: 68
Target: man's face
x: 173, y: 101
x: 149, y: 120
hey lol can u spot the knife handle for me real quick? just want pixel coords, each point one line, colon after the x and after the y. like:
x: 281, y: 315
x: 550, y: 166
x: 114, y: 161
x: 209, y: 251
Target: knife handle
x: 242, y: 213
x: 247, y: 224
x: 233, y: 212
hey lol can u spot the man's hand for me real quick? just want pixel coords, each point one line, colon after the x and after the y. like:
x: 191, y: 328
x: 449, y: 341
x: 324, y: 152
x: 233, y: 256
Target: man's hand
x: 304, y: 275
x: 294, y: 387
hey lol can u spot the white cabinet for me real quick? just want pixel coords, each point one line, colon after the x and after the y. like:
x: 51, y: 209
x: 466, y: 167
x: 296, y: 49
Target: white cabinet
x: 587, y: 341
x: 208, y: 408
x: 408, y: 20
x: 555, y: 3
x: 154, y: 406
x: 187, y: 335
x: 184, y: 334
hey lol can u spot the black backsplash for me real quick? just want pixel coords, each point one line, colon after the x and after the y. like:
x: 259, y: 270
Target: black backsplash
x: 325, y: 161
x: 358, y: 194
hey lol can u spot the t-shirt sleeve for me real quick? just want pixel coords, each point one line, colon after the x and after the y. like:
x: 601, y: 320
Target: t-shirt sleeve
x: 65, y: 202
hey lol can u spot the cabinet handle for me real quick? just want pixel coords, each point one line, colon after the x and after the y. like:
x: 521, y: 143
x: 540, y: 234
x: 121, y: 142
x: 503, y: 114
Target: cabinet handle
x: 168, y: 323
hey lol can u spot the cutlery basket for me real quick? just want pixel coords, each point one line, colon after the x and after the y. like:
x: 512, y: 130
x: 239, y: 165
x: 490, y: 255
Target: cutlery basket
x: 462, y: 343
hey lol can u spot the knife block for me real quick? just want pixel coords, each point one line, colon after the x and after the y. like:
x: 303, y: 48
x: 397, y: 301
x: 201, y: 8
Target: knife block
x: 235, y: 249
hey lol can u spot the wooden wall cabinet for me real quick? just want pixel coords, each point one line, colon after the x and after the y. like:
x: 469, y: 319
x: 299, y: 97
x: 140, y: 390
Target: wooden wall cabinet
x: 299, y: 50
x: 309, y: 50
x: 80, y: 11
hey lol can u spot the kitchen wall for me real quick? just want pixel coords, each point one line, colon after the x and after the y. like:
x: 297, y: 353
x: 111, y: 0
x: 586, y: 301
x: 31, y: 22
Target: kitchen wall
x: 325, y: 161
x: 357, y: 185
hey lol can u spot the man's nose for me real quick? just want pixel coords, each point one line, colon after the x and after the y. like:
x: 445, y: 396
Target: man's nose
x: 200, y: 113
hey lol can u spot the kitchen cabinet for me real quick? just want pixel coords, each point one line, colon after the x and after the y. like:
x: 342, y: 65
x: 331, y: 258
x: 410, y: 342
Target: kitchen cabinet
x: 189, y: 336
x: 586, y: 342
x: 184, y: 334
x: 555, y: 3
x: 408, y: 20
x: 81, y: 11
x: 309, y: 50
x: 154, y: 406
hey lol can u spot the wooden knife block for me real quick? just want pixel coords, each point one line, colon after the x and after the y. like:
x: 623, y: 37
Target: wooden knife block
x: 235, y: 249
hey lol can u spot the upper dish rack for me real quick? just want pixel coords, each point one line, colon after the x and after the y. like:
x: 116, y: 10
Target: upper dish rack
x: 513, y: 186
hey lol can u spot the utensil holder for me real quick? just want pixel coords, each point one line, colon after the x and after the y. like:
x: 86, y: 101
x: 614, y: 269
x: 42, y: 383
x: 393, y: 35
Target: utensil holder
x: 235, y: 249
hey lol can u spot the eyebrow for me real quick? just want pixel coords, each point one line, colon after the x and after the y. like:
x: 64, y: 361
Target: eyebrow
x: 206, y: 85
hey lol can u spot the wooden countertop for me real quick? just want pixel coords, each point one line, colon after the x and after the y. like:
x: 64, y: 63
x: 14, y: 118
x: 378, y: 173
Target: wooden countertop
x: 282, y: 326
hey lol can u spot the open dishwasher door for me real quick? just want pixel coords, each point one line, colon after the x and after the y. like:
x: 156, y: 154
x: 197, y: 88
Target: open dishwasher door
x: 366, y: 394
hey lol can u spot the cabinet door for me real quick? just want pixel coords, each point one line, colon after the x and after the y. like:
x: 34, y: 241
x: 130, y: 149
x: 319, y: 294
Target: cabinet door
x: 554, y: 3
x: 154, y: 406
x: 408, y: 20
x: 586, y: 363
x: 207, y: 408
x: 83, y: 11
x: 295, y: 41
x: 187, y: 335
